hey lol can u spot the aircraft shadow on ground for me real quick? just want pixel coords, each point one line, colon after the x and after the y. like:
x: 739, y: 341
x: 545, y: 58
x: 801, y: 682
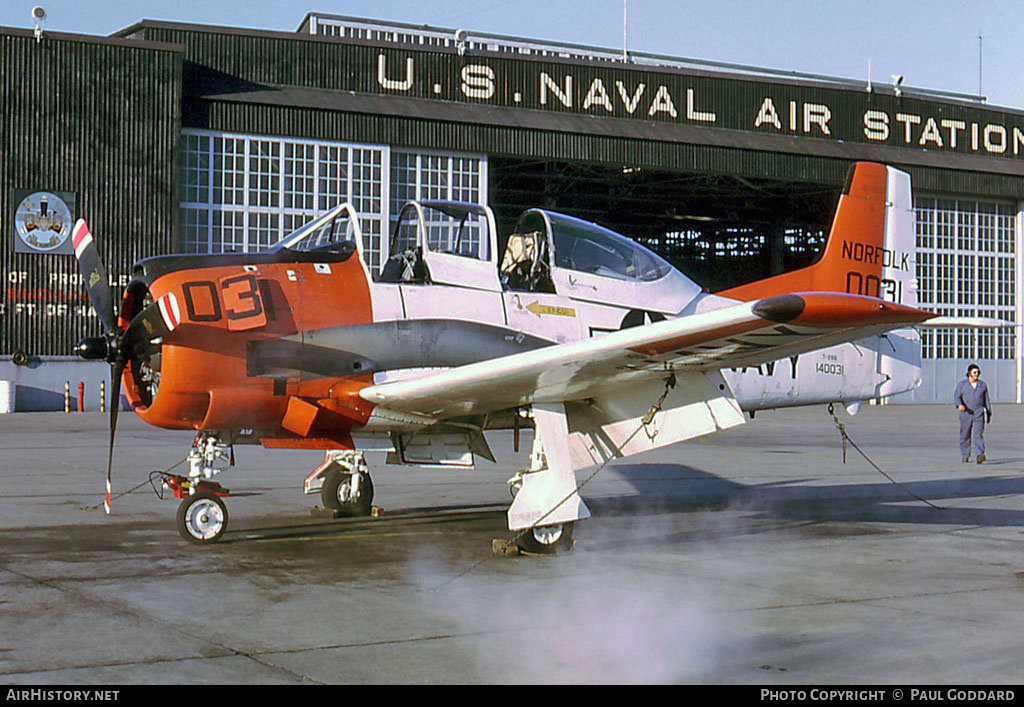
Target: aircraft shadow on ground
x: 677, y: 488
x: 436, y: 517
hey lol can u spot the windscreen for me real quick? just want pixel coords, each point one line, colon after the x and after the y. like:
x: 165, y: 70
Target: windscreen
x: 327, y: 232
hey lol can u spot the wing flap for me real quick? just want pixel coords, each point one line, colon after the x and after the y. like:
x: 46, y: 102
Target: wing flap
x: 615, y: 426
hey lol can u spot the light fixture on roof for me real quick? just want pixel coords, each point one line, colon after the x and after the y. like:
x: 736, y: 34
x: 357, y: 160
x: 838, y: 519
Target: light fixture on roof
x: 897, y: 81
x: 38, y: 17
x: 460, y: 40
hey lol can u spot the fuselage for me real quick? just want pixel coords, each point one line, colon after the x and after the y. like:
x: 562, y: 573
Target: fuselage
x: 281, y: 342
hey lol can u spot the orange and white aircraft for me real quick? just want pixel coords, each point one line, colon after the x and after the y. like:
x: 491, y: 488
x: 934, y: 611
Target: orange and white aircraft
x: 598, y: 344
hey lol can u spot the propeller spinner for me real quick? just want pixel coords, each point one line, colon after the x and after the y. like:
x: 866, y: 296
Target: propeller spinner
x: 117, y: 346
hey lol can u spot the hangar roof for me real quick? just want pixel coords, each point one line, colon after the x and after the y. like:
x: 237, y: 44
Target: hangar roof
x: 419, y: 86
x: 343, y: 26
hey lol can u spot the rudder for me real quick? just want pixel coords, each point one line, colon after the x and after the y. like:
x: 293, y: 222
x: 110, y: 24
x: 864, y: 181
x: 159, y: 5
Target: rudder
x: 899, y: 269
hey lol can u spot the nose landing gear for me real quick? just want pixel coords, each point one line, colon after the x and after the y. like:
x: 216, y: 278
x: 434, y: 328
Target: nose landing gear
x: 343, y: 481
x: 202, y: 518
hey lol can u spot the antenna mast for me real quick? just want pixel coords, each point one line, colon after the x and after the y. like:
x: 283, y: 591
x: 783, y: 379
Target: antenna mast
x: 625, y: 56
x: 979, y: 63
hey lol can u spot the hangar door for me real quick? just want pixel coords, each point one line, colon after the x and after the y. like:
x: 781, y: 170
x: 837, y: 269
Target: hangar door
x: 967, y: 267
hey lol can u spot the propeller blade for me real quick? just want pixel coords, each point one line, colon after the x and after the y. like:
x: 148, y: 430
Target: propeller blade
x: 117, y: 369
x: 97, y: 286
x: 96, y: 282
x: 155, y: 321
x: 119, y: 347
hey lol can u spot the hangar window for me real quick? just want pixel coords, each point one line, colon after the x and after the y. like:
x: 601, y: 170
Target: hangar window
x: 966, y: 267
x: 195, y: 230
x: 242, y: 193
x: 299, y: 176
x: 925, y: 229
x: 196, y: 163
x: 423, y: 175
x: 229, y: 230
x: 264, y: 173
x: 228, y: 171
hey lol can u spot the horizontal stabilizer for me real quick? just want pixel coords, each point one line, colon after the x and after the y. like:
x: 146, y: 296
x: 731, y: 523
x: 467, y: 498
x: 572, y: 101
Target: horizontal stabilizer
x: 967, y: 322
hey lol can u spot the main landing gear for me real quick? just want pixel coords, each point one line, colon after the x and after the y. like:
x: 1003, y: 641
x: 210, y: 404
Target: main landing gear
x: 344, y: 483
x: 539, y: 539
x: 547, y: 539
x: 546, y: 504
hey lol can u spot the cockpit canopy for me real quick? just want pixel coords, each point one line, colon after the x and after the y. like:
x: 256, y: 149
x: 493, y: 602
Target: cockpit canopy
x: 455, y: 243
x: 334, y: 232
x: 552, y: 252
x: 452, y: 227
x: 586, y: 247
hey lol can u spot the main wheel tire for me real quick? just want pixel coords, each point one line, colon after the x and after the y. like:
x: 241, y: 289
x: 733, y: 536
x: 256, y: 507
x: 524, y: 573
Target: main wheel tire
x: 547, y: 539
x: 202, y: 518
x: 336, y: 494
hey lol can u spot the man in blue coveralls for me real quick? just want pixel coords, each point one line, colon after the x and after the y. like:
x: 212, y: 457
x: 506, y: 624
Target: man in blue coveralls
x: 971, y: 399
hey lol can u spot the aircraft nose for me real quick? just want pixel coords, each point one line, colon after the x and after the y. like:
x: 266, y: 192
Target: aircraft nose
x: 92, y: 348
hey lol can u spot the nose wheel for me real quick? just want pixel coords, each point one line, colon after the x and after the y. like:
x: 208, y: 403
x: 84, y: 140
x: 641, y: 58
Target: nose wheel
x: 202, y: 518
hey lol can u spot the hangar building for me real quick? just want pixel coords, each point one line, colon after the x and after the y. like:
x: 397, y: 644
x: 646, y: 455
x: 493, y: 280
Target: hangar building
x: 173, y: 137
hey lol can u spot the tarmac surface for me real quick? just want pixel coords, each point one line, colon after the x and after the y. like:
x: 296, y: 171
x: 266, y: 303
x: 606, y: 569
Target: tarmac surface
x: 754, y: 556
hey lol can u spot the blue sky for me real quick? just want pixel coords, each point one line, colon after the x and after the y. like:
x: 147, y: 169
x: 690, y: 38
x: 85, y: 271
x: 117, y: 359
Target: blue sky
x: 933, y: 44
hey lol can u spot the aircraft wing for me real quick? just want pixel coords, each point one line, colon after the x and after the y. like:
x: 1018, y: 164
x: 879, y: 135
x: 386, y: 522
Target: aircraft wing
x: 744, y: 334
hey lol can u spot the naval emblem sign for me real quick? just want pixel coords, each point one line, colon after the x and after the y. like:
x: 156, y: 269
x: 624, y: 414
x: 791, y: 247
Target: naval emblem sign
x: 43, y: 221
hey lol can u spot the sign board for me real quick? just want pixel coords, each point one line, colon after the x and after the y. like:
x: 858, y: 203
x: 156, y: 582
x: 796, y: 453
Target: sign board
x: 43, y: 221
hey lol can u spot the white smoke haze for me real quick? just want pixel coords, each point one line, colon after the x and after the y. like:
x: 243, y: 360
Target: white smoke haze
x: 595, y: 616
x: 613, y: 628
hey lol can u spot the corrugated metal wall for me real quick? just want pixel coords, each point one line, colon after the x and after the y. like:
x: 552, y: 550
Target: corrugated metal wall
x: 99, y: 119
x: 513, y: 141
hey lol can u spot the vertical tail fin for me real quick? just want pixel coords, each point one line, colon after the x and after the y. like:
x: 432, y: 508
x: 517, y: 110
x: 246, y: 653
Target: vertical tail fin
x: 870, y: 247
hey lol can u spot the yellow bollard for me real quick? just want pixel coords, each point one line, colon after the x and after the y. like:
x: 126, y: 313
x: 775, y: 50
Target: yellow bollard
x: 67, y: 396
x: 103, y: 396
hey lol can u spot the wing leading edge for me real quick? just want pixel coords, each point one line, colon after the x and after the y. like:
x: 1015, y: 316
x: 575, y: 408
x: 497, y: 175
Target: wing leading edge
x: 745, y: 334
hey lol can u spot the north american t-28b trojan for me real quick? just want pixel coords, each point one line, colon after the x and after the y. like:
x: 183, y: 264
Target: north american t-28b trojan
x: 597, y: 343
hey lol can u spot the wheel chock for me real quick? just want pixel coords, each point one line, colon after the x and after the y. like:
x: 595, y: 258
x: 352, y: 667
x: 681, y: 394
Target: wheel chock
x: 503, y: 548
x: 318, y: 512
